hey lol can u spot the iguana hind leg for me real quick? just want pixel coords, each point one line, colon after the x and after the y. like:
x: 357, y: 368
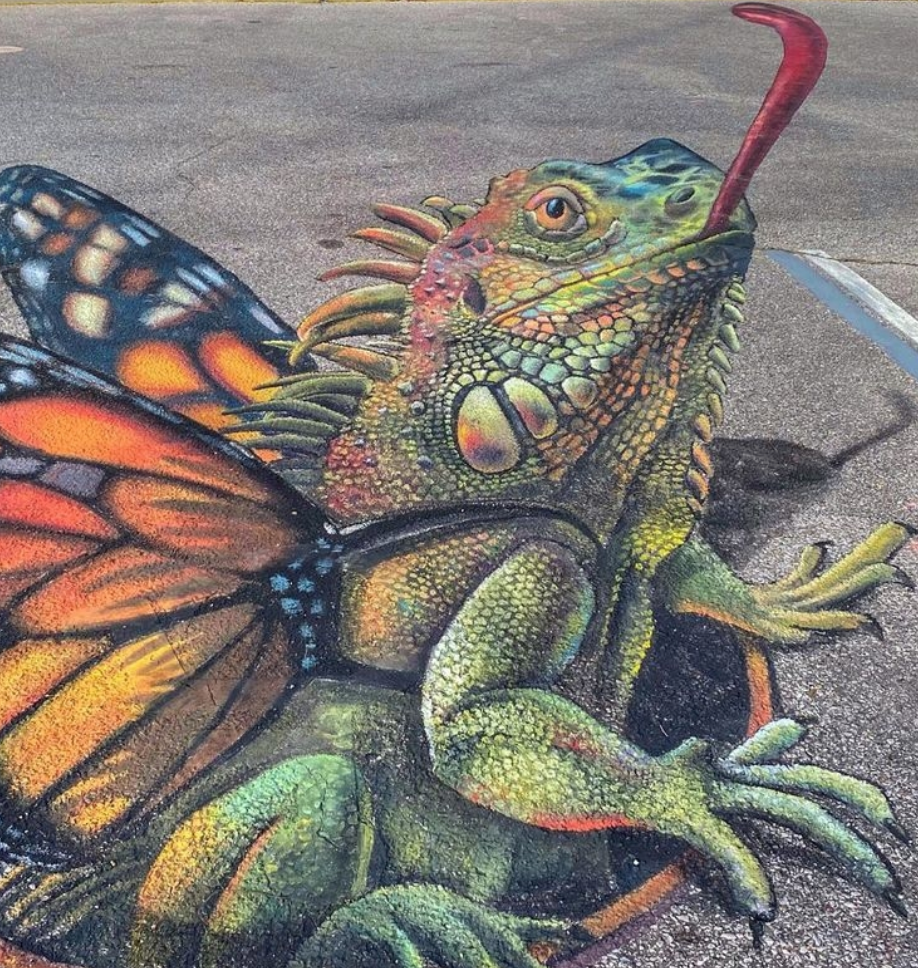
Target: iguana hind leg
x: 254, y: 871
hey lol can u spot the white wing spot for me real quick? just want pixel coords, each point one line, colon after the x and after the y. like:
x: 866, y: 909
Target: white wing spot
x: 137, y: 237
x: 196, y: 282
x: 144, y: 227
x: 28, y: 225
x: 164, y: 316
x: 21, y: 377
x: 34, y: 274
x: 210, y: 273
x: 180, y: 294
x: 87, y: 313
x: 259, y: 313
x: 46, y: 204
x: 106, y: 237
x: 91, y: 265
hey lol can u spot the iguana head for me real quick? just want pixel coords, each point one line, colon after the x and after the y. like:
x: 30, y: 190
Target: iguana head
x: 537, y: 346
x: 569, y: 302
x: 544, y: 332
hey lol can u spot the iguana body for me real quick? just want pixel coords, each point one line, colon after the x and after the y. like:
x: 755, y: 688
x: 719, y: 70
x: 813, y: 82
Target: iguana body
x: 580, y: 384
x: 555, y: 370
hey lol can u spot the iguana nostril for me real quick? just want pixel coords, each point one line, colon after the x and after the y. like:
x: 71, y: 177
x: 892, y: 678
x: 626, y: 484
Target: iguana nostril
x: 680, y: 201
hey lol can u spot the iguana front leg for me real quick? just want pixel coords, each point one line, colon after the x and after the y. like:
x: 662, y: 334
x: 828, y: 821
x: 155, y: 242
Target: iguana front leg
x: 499, y: 737
x: 787, y: 611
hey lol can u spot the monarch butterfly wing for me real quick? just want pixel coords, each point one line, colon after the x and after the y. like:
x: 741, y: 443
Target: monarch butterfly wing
x: 139, y: 638
x: 103, y: 286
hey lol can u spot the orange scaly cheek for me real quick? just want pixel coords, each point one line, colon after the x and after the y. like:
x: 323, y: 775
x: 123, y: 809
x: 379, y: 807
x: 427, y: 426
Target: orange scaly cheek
x: 345, y: 456
x: 506, y: 277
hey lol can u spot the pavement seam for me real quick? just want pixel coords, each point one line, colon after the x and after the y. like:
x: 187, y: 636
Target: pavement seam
x: 851, y: 259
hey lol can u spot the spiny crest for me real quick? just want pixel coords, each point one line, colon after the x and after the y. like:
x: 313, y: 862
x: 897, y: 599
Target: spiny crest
x: 307, y: 409
x: 375, y: 312
x: 698, y: 477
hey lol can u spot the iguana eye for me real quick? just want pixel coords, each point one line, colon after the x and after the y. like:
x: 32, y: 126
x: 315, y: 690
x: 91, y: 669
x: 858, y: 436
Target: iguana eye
x: 555, y: 213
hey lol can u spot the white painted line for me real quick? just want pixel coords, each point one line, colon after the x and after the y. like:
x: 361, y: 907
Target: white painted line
x: 837, y: 293
x: 885, y: 310
x: 11, y: 50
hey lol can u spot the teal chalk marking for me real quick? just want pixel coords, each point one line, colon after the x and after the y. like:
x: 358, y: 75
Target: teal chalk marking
x: 899, y: 350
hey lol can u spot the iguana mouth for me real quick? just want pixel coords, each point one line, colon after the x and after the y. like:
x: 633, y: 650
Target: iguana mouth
x: 723, y: 253
x: 805, y: 47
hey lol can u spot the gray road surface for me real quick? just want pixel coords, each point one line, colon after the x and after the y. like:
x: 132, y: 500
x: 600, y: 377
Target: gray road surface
x: 263, y: 132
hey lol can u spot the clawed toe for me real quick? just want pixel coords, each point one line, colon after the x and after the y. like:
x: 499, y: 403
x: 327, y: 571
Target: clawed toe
x: 811, y: 598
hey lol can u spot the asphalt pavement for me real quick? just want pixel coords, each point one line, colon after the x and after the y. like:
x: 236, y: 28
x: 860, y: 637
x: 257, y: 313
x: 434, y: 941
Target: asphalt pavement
x: 263, y: 132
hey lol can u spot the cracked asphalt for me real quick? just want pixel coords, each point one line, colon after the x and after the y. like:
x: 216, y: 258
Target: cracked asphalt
x: 263, y: 132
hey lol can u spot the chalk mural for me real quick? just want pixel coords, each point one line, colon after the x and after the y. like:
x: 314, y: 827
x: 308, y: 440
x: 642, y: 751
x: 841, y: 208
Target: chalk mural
x: 392, y: 639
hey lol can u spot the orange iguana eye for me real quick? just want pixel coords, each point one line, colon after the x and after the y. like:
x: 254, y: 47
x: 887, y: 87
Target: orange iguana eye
x: 555, y: 213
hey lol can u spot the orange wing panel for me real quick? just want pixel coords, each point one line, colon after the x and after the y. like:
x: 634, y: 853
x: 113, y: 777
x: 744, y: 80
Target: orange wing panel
x: 194, y: 522
x: 109, y: 697
x: 117, y: 586
x: 30, y: 669
x: 149, y: 757
x: 72, y: 427
x: 39, y: 507
x: 236, y: 366
x: 159, y: 370
x: 260, y: 692
x: 12, y: 585
x: 24, y: 551
x: 212, y: 415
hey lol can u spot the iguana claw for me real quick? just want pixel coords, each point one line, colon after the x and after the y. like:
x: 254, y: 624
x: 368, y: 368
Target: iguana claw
x: 802, y: 601
x: 809, y: 598
x: 894, y: 900
x: 898, y: 831
x: 748, y: 783
x: 406, y: 925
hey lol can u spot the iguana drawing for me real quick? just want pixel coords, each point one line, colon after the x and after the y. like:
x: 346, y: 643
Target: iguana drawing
x: 350, y: 690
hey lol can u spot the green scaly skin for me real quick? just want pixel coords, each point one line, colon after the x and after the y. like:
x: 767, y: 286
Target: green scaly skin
x: 578, y: 371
